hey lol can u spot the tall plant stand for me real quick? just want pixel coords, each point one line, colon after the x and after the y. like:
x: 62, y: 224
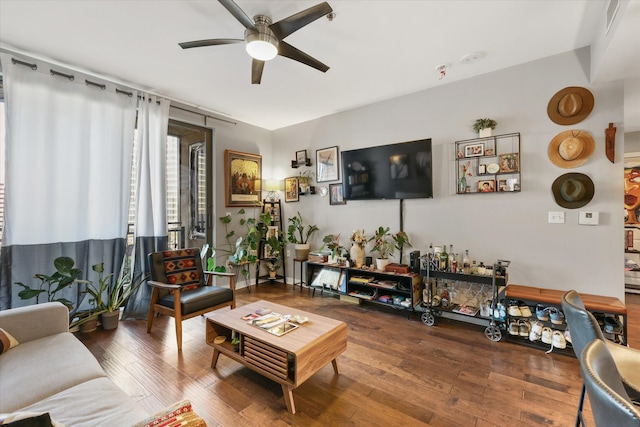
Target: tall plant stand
x: 274, y: 208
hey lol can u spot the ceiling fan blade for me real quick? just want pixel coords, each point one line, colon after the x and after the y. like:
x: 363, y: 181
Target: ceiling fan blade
x: 209, y: 42
x: 238, y: 13
x: 294, y: 22
x: 256, y: 71
x: 288, y: 51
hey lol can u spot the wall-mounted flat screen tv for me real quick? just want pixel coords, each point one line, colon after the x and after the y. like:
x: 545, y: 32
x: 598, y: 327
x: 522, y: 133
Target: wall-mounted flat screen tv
x: 395, y: 171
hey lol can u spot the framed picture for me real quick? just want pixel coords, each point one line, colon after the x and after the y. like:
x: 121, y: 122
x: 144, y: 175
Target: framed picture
x: 327, y: 164
x: 502, y: 185
x: 632, y: 188
x: 486, y: 186
x: 291, y: 189
x: 474, y: 150
x: 509, y: 162
x: 242, y: 178
x: 301, y: 157
x: 335, y: 195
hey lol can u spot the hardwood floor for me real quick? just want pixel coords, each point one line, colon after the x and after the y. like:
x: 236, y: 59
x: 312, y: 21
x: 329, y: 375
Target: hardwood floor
x: 395, y: 371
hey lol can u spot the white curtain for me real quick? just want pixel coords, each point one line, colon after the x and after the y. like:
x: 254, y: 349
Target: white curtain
x: 68, y: 160
x: 151, y: 195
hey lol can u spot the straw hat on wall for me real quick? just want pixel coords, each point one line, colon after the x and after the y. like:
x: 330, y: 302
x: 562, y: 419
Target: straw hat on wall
x: 570, y: 105
x: 571, y: 148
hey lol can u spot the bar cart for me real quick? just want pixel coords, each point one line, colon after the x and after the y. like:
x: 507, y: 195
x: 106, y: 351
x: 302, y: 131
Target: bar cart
x: 470, y: 298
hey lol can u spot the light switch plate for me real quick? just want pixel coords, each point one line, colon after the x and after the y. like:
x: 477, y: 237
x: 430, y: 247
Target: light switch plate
x: 556, y: 217
x: 589, y: 218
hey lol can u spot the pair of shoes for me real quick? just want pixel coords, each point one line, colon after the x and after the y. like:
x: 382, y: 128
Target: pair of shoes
x: 542, y: 313
x: 557, y: 341
x: 611, y: 325
x: 536, y: 331
x: 547, y: 334
x: 513, y: 327
x: 556, y: 316
x: 514, y: 309
x: 525, y: 311
x: 524, y: 328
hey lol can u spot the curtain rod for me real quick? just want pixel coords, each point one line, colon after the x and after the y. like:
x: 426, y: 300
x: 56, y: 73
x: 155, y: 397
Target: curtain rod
x: 119, y: 91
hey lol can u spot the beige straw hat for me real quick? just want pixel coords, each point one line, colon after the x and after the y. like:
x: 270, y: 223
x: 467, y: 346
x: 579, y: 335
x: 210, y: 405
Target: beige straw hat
x: 571, y: 148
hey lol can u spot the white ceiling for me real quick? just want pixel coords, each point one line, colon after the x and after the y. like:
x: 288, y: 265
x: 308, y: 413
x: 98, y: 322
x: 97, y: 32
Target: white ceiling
x: 376, y: 49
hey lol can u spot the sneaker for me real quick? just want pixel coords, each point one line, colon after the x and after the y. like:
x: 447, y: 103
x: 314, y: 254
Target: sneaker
x: 514, y: 310
x: 567, y: 336
x: 525, y: 311
x: 513, y: 327
x: 611, y: 325
x: 536, y: 331
x: 542, y: 313
x: 556, y: 316
x: 558, y: 340
x: 524, y: 328
x: 547, y: 335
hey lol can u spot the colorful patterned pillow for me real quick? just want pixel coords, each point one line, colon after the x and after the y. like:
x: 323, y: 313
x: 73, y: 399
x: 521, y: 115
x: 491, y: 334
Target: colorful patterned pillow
x: 7, y: 341
x: 181, y: 269
x: 179, y: 415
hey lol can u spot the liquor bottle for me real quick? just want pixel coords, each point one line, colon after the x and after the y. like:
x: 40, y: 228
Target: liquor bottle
x: 444, y: 258
x: 466, y: 263
x: 474, y: 267
x: 452, y: 260
x: 430, y: 253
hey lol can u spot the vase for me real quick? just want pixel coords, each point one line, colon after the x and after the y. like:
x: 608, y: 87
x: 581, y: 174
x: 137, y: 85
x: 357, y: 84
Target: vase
x: 485, y: 132
x: 381, y: 263
x: 463, y: 184
x: 110, y: 319
x: 357, y: 255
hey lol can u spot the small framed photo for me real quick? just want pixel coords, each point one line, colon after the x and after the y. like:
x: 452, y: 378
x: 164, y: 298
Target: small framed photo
x: 502, y: 185
x: 509, y: 162
x: 474, y: 150
x: 486, y: 186
x: 482, y: 169
x: 335, y: 195
x: 301, y: 157
x: 291, y: 189
x: 327, y: 167
x: 489, y: 152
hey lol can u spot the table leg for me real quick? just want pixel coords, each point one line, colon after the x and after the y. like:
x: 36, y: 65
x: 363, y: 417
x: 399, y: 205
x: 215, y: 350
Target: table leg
x: 288, y: 398
x: 214, y: 358
x: 334, y: 362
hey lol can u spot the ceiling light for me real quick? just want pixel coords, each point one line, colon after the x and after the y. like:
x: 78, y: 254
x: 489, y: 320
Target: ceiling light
x: 261, y: 43
x: 472, y: 57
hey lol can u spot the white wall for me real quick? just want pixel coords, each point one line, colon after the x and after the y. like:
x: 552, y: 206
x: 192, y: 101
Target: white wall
x: 494, y: 226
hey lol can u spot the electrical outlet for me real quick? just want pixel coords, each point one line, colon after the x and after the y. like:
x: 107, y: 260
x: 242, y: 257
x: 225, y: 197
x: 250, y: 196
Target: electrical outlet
x: 556, y: 217
x: 288, y: 253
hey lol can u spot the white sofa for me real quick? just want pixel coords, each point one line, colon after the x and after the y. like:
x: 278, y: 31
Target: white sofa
x: 52, y: 371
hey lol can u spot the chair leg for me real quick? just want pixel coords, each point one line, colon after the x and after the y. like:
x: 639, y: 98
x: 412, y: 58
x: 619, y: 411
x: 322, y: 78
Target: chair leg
x: 579, y: 418
x: 150, y: 315
x: 178, y: 317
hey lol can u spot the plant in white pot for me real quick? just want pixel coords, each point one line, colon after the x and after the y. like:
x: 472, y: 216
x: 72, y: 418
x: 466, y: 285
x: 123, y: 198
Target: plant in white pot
x: 304, y: 181
x: 385, y: 243
x: 484, y: 127
x: 299, y: 233
x: 332, y: 242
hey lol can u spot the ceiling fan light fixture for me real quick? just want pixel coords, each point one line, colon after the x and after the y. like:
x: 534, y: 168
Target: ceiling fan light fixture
x: 261, y: 46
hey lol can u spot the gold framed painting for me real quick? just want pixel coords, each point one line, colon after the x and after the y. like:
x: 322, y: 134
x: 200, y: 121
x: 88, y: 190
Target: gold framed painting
x: 242, y: 178
x: 291, y: 193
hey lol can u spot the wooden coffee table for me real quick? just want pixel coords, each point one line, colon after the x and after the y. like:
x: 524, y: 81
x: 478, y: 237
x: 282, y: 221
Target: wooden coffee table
x: 289, y: 359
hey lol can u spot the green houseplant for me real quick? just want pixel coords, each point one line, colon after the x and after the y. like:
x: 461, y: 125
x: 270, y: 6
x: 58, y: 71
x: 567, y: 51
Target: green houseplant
x: 480, y: 126
x: 305, y: 179
x: 386, y: 243
x: 65, y: 276
x: 299, y: 233
x: 275, y: 245
x: 332, y: 242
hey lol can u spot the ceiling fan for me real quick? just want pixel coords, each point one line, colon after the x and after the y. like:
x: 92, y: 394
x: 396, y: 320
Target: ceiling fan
x: 264, y: 40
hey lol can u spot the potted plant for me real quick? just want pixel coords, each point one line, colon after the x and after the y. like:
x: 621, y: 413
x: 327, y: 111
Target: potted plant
x: 299, y: 233
x: 400, y: 240
x: 332, y: 242
x: 383, y: 244
x: 64, y: 277
x: 275, y: 245
x: 305, y: 179
x: 118, y: 294
x: 484, y: 127
x: 242, y: 241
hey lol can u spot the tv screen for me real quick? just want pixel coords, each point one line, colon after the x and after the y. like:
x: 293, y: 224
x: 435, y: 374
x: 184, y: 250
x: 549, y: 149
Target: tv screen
x: 394, y: 171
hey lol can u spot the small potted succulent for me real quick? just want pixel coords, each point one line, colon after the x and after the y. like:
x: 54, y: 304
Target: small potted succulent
x: 484, y: 127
